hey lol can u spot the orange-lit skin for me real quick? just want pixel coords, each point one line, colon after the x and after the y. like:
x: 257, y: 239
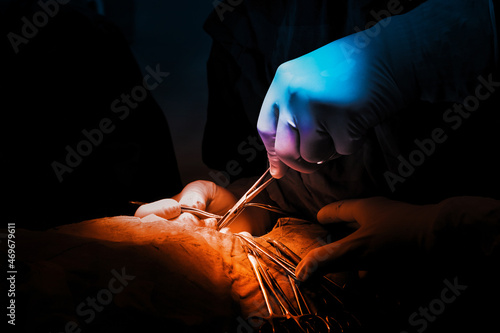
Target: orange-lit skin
x: 212, y: 198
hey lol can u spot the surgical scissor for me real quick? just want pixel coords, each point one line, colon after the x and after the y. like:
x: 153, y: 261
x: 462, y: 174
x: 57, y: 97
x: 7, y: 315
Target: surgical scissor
x: 240, y: 205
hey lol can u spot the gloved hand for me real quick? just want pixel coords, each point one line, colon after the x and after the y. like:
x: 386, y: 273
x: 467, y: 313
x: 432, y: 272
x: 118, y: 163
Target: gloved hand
x: 390, y: 230
x: 210, y: 197
x: 386, y: 229
x: 322, y: 104
x: 199, y: 194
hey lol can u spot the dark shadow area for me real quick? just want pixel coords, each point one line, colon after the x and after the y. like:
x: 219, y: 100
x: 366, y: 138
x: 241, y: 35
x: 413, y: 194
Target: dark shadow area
x: 82, y: 133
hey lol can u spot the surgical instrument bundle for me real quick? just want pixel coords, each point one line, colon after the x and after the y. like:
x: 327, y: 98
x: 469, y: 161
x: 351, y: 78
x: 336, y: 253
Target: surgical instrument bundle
x: 316, y: 308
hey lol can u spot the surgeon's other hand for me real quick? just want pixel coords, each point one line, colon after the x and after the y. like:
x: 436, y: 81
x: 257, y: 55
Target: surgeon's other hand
x: 388, y: 231
x: 208, y: 196
x: 199, y: 194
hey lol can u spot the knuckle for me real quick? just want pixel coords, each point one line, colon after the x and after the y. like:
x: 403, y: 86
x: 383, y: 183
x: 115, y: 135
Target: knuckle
x: 266, y: 132
x: 283, y: 68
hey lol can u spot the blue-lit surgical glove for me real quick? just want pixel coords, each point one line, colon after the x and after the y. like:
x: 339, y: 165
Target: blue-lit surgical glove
x: 322, y: 104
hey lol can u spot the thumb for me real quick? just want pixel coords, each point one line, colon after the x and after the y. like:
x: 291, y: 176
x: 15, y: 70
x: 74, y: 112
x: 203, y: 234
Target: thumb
x: 339, y: 256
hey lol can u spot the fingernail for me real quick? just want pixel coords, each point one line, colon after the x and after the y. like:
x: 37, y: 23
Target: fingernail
x: 299, y: 274
x: 276, y: 171
x: 273, y: 170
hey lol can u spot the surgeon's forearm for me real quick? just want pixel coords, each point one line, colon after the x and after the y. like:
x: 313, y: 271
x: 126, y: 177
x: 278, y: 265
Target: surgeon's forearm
x: 470, y: 225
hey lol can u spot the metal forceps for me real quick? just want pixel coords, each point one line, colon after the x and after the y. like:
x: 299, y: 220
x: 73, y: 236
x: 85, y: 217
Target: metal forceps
x: 307, y: 318
x: 300, y: 321
x: 289, y: 320
x: 313, y: 319
x: 236, y: 210
x: 274, y: 323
